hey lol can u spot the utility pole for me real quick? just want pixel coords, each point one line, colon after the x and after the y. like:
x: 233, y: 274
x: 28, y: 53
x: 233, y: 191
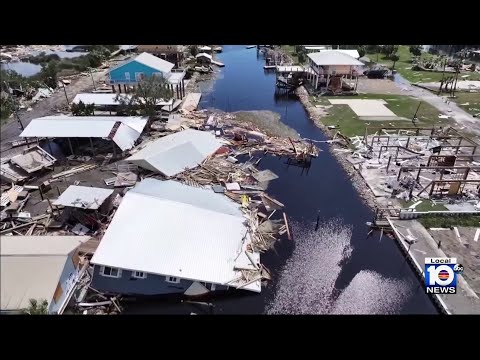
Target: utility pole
x: 415, y: 115
x: 443, y: 76
x: 65, y: 90
x: 93, y: 81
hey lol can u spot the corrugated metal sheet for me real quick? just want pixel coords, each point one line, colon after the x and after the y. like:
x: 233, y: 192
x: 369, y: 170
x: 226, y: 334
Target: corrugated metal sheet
x: 125, y: 137
x: 352, y: 53
x: 182, y: 235
x: 83, y: 197
x: 178, y: 192
x: 204, y: 55
x: 151, y: 61
x: 108, y: 99
x: 174, y: 153
x: 86, y: 126
x: 31, y: 267
x: 333, y: 58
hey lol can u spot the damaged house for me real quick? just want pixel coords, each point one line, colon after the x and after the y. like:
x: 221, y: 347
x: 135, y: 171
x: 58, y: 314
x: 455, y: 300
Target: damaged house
x: 122, y: 131
x: 39, y: 268
x: 167, y: 238
x: 172, y: 154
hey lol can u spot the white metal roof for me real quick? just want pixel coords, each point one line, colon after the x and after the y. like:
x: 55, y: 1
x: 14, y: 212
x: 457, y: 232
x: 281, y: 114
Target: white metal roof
x: 204, y: 48
x: 333, y: 57
x: 107, y: 99
x: 170, y: 229
x: 149, y: 60
x: 128, y: 47
x: 31, y: 267
x: 204, y: 55
x: 87, y: 126
x: 174, y: 153
x: 353, y: 53
x: 83, y: 197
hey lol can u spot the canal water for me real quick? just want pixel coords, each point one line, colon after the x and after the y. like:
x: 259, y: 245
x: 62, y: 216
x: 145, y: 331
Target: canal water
x: 336, y: 269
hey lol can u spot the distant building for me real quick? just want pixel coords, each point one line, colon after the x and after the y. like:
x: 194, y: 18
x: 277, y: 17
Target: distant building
x: 203, y: 58
x: 168, y: 238
x: 329, y: 68
x: 40, y: 268
x: 145, y: 65
x: 172, y: 53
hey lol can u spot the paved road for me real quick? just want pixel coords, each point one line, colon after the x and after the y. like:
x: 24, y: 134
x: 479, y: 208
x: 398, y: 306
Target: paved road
x: 461, y: 117
x: 11, y: 130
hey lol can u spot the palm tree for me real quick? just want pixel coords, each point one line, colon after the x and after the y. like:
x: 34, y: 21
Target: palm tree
x: 34, y: 308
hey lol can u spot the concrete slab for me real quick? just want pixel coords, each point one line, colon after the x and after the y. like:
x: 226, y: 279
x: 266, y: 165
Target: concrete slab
x: 461, y: 207
x: 465, y: 301
x: 368, y: 109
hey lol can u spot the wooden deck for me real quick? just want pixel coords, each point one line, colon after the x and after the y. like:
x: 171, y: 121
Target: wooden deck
x: 191, y: 101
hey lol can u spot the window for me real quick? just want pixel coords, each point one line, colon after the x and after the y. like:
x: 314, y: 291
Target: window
x: 110, y: 272
x: 172, y: 279
x: 139, y: 76
x: 127, y: 76
x: 139, y: 275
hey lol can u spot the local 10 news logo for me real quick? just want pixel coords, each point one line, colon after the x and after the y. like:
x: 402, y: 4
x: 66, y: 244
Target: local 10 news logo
x: 441, y: 275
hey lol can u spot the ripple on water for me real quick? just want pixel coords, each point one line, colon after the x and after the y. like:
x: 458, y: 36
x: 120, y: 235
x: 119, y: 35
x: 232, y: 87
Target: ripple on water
x: 306, y: 284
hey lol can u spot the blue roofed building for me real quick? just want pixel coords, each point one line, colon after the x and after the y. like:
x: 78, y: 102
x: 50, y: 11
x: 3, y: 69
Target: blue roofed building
x: 133, y: 71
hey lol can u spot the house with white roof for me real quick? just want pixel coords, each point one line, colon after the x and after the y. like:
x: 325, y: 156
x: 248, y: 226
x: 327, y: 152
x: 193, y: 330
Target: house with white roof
x: 143, y: 66
x: 331, y: 68
x: 167, y: 237
x: 39, y: 268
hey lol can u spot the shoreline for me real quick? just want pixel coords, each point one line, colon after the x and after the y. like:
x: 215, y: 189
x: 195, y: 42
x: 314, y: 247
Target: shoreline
x: 358, y: 182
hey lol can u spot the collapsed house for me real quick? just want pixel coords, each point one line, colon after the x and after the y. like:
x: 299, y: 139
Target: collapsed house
x: 418, y: 163
x: 175, y: 153
x: 167, y: 237
x: 123, y: 131
x: 85, y: 205
x: 25, y: 164
x: 39, y: 268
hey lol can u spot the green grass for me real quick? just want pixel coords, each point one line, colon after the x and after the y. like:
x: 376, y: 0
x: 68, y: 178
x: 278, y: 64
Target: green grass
x: 425, y: 205
x: 473, y: 100
x: 404, y: 67
x: 401, y: 105
x: 437, y: 221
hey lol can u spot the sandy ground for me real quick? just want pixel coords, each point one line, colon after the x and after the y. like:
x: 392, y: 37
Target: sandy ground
x: 379, y: 86
x: 11, y: 129
x: 267, y: 121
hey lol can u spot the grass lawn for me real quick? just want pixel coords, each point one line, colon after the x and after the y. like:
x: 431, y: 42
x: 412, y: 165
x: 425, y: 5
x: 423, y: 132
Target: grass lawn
x: 404, y: 67
x: 447, y: 221
x: 401, y: 105
x: 473, y: 100
x: 425, y: 205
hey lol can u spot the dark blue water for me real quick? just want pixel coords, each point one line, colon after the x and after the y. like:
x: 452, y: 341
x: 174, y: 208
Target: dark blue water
x: 243, y: 85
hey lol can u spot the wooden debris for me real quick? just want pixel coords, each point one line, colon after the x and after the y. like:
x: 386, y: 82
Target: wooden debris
x: 287, y: 227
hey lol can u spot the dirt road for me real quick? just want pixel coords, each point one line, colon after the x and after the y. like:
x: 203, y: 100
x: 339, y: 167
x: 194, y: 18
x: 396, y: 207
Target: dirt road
x: 11, y: 130
x: 462, y: 120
